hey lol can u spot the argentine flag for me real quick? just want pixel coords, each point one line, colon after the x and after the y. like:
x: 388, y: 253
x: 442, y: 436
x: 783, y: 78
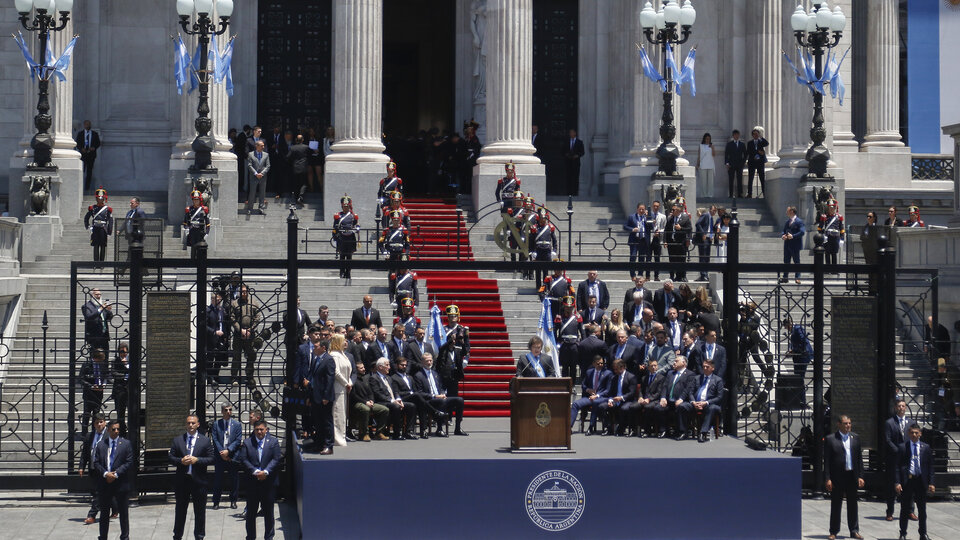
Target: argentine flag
x: 435, y: 333
x: 63, y: 62
x: 650, y: 70
x: 545, y: 332
x: 224, y: 69
x: 686, y: 74
x: 181, y: 64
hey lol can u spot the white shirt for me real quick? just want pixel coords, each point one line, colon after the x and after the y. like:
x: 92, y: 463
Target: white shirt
x: 706, y: 157
x: 848, y: 457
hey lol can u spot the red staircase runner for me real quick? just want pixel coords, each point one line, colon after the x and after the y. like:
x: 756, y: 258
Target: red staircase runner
x: 437, y: 234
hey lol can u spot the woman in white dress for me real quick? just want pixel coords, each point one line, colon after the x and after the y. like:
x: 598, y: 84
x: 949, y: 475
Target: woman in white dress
x: 706, y: 166
x: 342, y: 385
x: 724, y: 229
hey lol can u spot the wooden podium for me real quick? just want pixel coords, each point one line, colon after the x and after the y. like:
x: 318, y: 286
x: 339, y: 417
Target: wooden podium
x: 540, y: 414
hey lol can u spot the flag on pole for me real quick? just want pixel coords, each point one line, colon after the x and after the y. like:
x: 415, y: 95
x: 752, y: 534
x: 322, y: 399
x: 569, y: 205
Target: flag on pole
x: 213, y: 61
x: 805, y: 76
x: 836, y: 81
x: 686, y: 74
x: 545, y: 332
x: 63, y: 62
x: 435, y: 333
x: 650, y: 70
x: 225, y: 71
x: 181, y: 64
x: 671, y: 63
x: 194, y: 68
x: 31, y: 64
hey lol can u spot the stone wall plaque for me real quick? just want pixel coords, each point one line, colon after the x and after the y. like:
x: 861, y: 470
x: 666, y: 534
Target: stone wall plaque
x: 853, y: 375
x: 168, y: 366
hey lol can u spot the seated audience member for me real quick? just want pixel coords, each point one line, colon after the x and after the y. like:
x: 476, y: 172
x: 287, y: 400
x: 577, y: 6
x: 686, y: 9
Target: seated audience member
x: 430, y: 385
x: 623, y: 386
x: 675, y: 329
x: 590, y: 346
x: 716, y: 352
x: 693, y: 352
x: 622, y: 350
x: 405, y: 387
x: 705, y: 398
x: 401, y: 413
x: 533, y: 364
x: 646, y: 296
x: 596, y: 383
x: 363, y: 406
x: 675, y: 391
x: 662, y: 351
x: 640, y: 412
x: 592, y: 314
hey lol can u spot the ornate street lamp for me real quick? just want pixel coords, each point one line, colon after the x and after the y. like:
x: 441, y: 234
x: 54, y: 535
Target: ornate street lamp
x: 204, y: 27
x: 44, y: 22
x: 813, y: 32
x: 661, y: 28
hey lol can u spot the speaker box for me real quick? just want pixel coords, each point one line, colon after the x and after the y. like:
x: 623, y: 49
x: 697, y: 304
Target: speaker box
x: 790, y: 394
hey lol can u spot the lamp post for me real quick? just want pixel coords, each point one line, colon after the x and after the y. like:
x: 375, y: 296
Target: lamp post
x: 670, y: 26
x: 204, y: 27
x: 44, y: 22
x: 813, y: 32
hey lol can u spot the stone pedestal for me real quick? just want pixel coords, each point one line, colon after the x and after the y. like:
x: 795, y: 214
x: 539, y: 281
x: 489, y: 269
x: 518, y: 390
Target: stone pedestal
x: 223, y: 188
x: 639, y: 184
x: 68, y: 191
x: 358, y: 179
x: 806, y: 206
x: 533, y: 182
x: 953, y: 131
x: 38, y: 235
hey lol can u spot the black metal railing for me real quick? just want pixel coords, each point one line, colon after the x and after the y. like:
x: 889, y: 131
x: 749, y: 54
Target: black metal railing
x: 931, y: 167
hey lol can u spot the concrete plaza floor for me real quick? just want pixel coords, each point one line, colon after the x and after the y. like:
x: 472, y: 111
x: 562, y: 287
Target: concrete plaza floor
x: 24, y: 515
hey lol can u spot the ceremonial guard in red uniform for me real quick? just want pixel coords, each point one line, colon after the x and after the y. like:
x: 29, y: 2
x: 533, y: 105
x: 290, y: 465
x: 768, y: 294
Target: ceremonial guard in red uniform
x: 507, y: 187
x: 99, y: 221
x: 196, y: 221
x: 567, y: 326
x: 346, y: 225
x: 830, y: 225
x: 391, y: 182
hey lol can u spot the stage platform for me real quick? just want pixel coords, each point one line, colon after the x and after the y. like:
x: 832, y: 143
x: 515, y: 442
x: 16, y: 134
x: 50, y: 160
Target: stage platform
x: 607, y: 487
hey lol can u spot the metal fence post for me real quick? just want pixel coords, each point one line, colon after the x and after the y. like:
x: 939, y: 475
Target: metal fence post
x: 72, y: 376
x: 818, y: 315
x: 886, y: 326
x: 136, y: 344
x: 570, y: 228
x: 201, y: 382
x: 43, y: 407
x: 731, y: 294
x: 292, y: 342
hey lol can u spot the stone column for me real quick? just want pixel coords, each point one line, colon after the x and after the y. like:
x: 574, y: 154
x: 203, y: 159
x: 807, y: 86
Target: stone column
x: 619, y: 99
x: 883, y: 76
x: 843, y: 140
x: 766, y: 77
x: 357, y: 161
x: 509, y: 84
x: 954, y: 132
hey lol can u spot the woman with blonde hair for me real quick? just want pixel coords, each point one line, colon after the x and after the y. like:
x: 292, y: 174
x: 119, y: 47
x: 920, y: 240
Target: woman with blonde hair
x: 337, y: 345
x: 613, y: 325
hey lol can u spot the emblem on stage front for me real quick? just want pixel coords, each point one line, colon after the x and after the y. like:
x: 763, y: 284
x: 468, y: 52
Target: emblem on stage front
x: 554, y: 500
x: 543, y: 415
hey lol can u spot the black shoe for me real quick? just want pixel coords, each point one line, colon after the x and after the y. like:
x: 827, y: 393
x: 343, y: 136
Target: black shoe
x: 244, y: 513
x: 461, y: 432
x: 662, y: 434
x: 216, y: 506
x: 902, y: 537
x: 233, y: 506
x: 782, y: 280
x: 439, y: 433
x: 424, y: 435
x: 683, y: 436
x: 412, y: 437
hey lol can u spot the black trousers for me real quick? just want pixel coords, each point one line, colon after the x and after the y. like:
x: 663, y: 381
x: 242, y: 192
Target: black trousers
x: 190, y: 490
x: 735, y: 178
x: 656, y: 249
x: 231, y: 469
x: 758, y: 169
x: 95, y: 499
x: 913, y: 492
x: 569, y: 359
x: 87, y: 173
x: 703, y: 249
x: 261, y: 494
x: 120, y: 404
x: 244, y: 346
x: 450, y: 405
x: 892, y: 484
x: 845, y: 486
x: 323, y: 422
x: 678, y: 254
x: 639, y: 253
x: 573, y: 176
x: 111, y: 496
x: 92, y: 404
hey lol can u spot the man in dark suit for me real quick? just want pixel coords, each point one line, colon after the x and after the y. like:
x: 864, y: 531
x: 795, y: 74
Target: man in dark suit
x: 261, y: 460
x: 895, y: 432
x: 592, y: 313
x: 322, y: 376
x: 401, y: 412
x: 593, y: 287
x: 756, y: 161
x: 533, y: 364
x: 112, y: 460
x: 595, y: 385
x: 416, y: 348
x: 218, y: 337
x: 734, y: 155
x: 362, y: 406
x: 677, y: 389
x: 692, y: 351
x: 638, y: 240
x: 793, y: 231
x: 590, y: 346
x: 716, y: 352
x: 94, y: 375
x: 677, y: 235
x: 429, y: 383
x: 96, y: 321
x: 365, y: 315
x: 536, y: 139
x: 915, y: 478
x: 706, y: 398
x: 191, y: 453
x: 573, y: 150
x: 703, y: 237
x: 621, y: 390
x: 227, y: 435
x: 277, y: 147
x: 843, y: 469
x: 88, y: 141
x: 664, y: 299
x: 405, y: 387
x: 258, y: 167
x: 648, y: 395
x: 298, y: 158
x: 621, y: 350
x: 90, y: 443
x: 380, y: 348
x: 646, y: 295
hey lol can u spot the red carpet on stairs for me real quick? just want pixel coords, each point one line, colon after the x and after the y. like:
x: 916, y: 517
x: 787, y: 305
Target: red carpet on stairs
x: 437, y: 233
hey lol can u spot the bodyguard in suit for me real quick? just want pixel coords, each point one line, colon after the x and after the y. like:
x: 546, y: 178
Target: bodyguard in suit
x: 621, y: 390
x: 595, y: 385
x: 258, y: 166
x: 415, y: 349
x: 677, y: 235
x: 533, y: 364
x: 227, y: 435
x: 365, y: 315
x: 218, y: 337
x: 112, y: 460
x: 895, y: 432
x: 915, y: 478
x: 590, y: 346
x: 734, y: 155
x: 716, y: 352
x: 593, y: 287
x: 843, y: 469
x: 322, y: 375
x: 261, y: 460
x: 638, y: 240
x: 756, y: 161
x: 121, y: 378
x: 705, y: 397
x: 793, y: 231
x: 88, y: 141
x: 191, y: 453
x: 573, y: 150
x: 90, y: 443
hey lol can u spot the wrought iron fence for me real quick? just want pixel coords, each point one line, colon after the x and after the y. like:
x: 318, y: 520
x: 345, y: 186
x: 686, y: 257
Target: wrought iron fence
x: 932, y: 167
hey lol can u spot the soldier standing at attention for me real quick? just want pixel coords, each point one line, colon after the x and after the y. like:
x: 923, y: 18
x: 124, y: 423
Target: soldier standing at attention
x: 99, y: 221
x: 454, y: 354
x: 507, y: 187
x: 389, y: 183
x: 345, y: 228
x: 831, y: 227
x: 196, y: 221
x: 543, y: 240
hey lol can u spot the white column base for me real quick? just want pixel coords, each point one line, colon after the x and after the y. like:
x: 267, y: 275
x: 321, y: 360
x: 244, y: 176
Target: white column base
x: 884, y: 139
x: 533, y: 182
x: 508, y: 151
x: 360, y: 180
x: 358, y: 150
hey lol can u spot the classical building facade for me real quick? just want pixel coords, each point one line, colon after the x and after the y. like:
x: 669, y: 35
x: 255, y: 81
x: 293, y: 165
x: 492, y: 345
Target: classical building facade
x: 375, y: 68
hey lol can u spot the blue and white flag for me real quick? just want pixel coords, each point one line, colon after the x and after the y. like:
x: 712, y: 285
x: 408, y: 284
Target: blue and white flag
x: 181, y: 64
x: 213, y: 61
x: 671, y: 63
x: 545, y: 332
x: 650, y: 70
x: 31, y: 64
x: 801, y: 79
x: 805, y: 75
x: 63, y: 61
x: 836, y: 81
x: 686, y: 74
x: 194, y: 69
x: 435, y: 333
x: 224, y: 69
